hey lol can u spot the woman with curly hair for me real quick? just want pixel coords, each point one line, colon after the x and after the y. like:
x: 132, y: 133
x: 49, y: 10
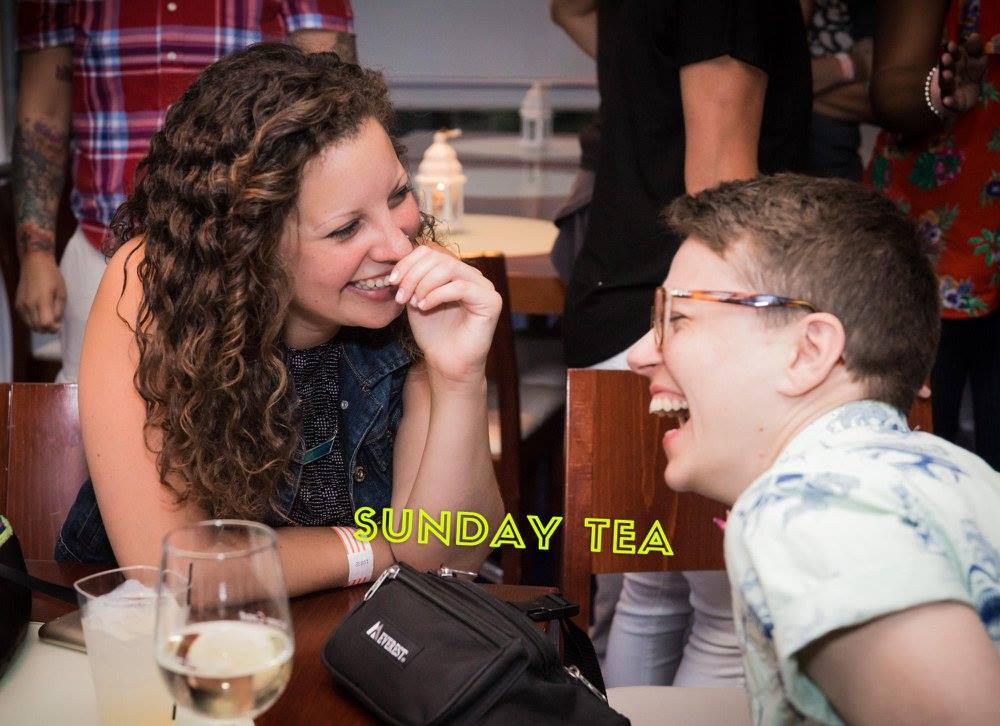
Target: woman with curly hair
x: 246, y: 355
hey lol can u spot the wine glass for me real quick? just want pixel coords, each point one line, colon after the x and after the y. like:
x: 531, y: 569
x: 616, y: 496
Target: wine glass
x: 224, y: 642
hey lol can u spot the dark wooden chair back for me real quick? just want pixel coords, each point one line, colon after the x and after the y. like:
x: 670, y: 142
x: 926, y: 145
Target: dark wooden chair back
x: 41, y: 461
x: 614, y: 470
x: 919, y: 417
x: 501, y: 371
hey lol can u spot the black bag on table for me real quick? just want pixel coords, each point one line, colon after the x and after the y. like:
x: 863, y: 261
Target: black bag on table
x: 428, y: 649
x: 15, y: 594
x: 15, y: 601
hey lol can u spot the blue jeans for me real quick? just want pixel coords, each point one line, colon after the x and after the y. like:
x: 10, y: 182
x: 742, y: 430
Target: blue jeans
x: 674, y: 628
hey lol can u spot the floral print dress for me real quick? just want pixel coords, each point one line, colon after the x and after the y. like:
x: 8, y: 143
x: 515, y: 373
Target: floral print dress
x: 950, y: 182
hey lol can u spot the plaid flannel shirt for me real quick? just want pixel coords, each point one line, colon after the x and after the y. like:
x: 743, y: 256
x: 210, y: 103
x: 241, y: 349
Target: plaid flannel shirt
x: 131, y: 60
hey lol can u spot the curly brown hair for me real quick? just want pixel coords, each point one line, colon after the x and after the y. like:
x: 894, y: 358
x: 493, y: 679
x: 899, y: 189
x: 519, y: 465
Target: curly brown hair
x: 210, y: 202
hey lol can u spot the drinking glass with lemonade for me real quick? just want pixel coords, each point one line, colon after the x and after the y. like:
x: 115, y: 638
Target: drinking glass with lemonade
x: 118, y: 614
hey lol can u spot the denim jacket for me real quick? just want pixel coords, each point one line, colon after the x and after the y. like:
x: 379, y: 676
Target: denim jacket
x: 372, y: 372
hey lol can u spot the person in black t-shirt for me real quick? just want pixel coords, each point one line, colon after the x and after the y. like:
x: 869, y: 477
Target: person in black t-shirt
x: 682, y: 83
x: 693, y: 92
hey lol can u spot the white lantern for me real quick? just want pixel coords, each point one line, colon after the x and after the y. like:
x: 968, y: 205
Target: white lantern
x: 440, y: 181
x: 536, y: 117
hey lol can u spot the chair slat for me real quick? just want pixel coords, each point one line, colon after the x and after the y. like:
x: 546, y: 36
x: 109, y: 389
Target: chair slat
x: 45, y: 462
x: 614, y: 470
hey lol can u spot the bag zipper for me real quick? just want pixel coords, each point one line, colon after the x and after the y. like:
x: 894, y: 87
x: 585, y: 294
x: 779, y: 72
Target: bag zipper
x: 575, y: 673
x: 389, y: 573
x: 485, y: 628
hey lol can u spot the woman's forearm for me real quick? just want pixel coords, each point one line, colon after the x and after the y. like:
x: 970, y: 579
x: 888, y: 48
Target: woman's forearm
x: 848, y: 102
x: 455, y: 473
x: 313, y: 558
x: 898, y: 102
x: 907, y: 34
x: 827, y: 72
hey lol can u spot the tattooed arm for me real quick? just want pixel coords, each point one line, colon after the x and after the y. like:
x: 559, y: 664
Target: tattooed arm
x: 40, y: 152
x: 320, y: 41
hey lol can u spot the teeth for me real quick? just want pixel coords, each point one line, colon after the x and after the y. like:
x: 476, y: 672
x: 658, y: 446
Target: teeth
x: 373, y: 283
x: 666, y: 406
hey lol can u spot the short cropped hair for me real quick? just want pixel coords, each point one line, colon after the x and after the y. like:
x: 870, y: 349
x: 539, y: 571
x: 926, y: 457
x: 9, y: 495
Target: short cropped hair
x: 847, y: 250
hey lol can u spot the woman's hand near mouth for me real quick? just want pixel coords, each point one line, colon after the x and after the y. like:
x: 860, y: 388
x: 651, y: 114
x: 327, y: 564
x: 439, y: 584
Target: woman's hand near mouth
x: 443, y: 458
x: 452, y: 311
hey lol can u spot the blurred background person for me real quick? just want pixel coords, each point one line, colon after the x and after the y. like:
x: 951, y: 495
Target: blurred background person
x: 578, y: 18
x: 840, y: 42
x: 573, y: 217
x: 104, y: 73
x: 939, y: 160
x: 6, y: 328
x: 691, y: 94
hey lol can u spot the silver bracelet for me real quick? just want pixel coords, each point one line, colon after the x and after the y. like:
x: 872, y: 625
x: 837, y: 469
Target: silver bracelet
x: 927, y: 95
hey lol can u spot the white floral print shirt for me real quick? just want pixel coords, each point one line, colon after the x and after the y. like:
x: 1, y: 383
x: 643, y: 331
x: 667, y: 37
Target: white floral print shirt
x: 859, y: 517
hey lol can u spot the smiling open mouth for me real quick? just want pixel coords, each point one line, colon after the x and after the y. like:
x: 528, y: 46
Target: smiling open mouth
x: 668, y: 406
x: 372, y: 283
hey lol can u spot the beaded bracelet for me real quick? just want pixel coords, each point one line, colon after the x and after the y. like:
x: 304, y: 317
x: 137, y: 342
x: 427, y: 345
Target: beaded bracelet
x: 927, y: 94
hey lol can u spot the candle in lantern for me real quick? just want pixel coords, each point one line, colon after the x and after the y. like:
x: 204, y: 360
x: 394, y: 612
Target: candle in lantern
x: 440, y: 181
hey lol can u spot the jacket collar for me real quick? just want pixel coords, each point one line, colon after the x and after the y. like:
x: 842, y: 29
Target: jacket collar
x: 374, y: 354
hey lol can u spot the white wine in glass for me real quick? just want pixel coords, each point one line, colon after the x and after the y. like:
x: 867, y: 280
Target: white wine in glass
x: 225, y: 644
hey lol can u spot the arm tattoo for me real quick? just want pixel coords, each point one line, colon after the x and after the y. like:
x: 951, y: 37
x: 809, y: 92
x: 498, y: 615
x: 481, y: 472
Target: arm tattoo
x: 37, y: 174
x: 64, y: 73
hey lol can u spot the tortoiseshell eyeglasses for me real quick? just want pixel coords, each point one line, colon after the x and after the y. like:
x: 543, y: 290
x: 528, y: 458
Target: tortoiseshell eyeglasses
x: 664, y: 300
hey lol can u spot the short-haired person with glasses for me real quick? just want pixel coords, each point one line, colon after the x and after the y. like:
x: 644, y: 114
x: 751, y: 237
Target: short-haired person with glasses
x: 795, y: 326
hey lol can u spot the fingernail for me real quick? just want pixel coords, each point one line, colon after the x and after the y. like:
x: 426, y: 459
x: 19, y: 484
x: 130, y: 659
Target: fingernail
x: 422, y: 304
x: 413, y: 300
x: 393, y: 276
x: 400, y: 296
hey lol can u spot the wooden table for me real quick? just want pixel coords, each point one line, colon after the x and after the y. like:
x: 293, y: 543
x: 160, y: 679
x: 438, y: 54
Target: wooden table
x: 312, y: 696
x: 535, y: 287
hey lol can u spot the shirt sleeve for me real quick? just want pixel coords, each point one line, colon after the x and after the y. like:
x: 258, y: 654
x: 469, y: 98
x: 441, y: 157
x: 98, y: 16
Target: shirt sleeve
x: 833, y: 549
x: 747, y: 30
x: 44, y: 24
x: 334, y: 15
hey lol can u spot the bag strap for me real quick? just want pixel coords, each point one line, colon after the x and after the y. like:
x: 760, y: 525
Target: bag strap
x: 578, y: 650
x: 59, y: 592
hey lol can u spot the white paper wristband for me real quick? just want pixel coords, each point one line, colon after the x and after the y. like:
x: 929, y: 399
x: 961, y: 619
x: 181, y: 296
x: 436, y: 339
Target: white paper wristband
x: 360, y: 557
